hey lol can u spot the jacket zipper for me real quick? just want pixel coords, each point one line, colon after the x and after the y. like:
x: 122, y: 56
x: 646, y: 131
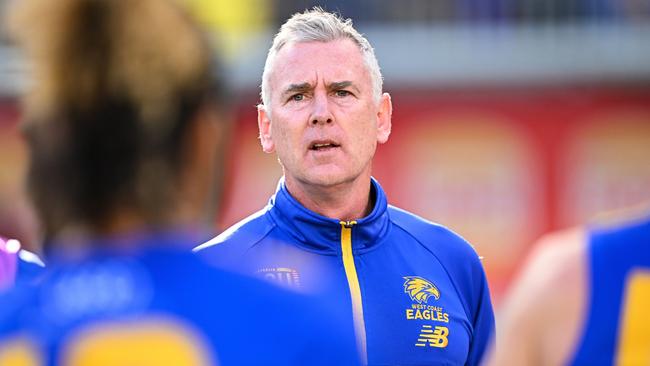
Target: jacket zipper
x: 355, y: 290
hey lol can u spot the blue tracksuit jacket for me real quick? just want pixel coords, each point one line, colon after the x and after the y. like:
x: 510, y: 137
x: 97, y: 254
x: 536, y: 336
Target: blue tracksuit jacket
x: 416, y: 291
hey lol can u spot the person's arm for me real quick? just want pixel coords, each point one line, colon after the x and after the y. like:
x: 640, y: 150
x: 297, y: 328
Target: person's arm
x: 543, y: 313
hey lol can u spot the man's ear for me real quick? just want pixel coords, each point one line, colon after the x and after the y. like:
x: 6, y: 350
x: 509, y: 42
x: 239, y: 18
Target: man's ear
x: 264, y: 125
x: 384, y: 118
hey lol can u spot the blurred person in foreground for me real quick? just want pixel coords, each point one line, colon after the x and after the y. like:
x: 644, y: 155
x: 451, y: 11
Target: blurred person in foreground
x: 582, y: 299
x: 416, y: 291
x: 125, y: 124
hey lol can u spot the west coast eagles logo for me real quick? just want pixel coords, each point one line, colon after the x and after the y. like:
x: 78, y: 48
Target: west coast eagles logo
x: 419, y: 289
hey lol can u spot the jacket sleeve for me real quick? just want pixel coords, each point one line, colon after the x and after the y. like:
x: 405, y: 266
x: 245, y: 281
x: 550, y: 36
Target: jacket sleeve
x: 483, y: 322
x: 466, y: 269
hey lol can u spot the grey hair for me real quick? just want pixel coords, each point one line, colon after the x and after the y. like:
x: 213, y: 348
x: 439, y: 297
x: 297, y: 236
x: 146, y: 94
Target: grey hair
x: 317, y: 25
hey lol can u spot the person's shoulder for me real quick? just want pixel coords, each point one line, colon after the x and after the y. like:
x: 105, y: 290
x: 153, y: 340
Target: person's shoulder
x: 241, y: 235
x: 556, y: 265
x: 443, y: 242
x: 464, y: 268
x: 103, y: 292
x: 321, y: 333
x: 557, y: 255
x: 633, y: 228
x: 455, y: 255
x: 553, y: 281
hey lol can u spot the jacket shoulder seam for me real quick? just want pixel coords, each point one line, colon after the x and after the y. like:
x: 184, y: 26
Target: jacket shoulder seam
x: 444, y: 267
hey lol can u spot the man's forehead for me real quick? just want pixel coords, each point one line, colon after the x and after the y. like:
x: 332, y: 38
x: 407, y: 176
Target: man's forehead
x: 307, y: 62
x: 298, y: 51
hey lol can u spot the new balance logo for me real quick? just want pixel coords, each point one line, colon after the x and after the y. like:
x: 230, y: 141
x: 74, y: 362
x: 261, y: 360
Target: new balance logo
x: 436, y: 337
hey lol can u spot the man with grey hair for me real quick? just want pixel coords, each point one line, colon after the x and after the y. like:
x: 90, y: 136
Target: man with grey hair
x: 415, y: 291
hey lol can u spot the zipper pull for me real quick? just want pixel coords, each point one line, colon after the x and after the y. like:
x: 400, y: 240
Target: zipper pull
x: 348, y: 224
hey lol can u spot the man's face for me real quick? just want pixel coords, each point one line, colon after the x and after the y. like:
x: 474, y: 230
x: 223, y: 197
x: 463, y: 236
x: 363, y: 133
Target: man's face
x: 323, y: 121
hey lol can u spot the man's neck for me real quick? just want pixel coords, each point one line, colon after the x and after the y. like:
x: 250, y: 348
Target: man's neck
x: 346, y: 201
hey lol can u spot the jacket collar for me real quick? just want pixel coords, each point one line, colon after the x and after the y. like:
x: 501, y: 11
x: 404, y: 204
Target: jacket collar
x: 323, y: 234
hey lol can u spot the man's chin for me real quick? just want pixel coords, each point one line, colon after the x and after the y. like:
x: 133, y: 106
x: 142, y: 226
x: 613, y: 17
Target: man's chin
x: 327, y: 179
x: 319, y: 178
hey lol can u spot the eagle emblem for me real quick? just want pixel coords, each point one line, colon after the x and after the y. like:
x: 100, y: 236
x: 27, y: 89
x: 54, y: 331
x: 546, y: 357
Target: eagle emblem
x: 420, y: 289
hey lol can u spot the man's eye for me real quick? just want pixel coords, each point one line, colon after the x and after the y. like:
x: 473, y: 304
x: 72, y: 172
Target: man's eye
x: 297, y: 97
x: 342, y: 93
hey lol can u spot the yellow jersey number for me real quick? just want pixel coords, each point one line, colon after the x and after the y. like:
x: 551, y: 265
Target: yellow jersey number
x: 634, y: 336
x: 144, y: 342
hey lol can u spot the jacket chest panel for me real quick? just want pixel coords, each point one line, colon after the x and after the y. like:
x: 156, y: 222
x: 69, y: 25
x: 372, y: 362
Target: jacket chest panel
x: 413, y: 314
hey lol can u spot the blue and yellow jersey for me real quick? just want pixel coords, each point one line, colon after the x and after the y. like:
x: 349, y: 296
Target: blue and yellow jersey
x: 416, y: 292
x: 156, y: 303
x: 617, y: 325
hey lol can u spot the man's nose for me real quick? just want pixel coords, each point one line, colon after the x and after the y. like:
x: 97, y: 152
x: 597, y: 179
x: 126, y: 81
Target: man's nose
x: 321, y: 113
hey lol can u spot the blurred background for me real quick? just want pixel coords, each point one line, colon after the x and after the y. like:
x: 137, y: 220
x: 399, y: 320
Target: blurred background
x: 511, y: 118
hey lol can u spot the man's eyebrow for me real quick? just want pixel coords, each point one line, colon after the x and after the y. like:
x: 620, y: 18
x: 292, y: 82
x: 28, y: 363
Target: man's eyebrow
x: 336, y: 85
x: 340, y: 85
x: 297, y: 88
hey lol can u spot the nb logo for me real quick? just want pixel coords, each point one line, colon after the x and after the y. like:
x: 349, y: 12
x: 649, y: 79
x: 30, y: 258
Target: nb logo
x: 436, y: 337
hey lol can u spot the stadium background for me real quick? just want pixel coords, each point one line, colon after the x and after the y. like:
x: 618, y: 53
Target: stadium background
x: 512, y: 118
